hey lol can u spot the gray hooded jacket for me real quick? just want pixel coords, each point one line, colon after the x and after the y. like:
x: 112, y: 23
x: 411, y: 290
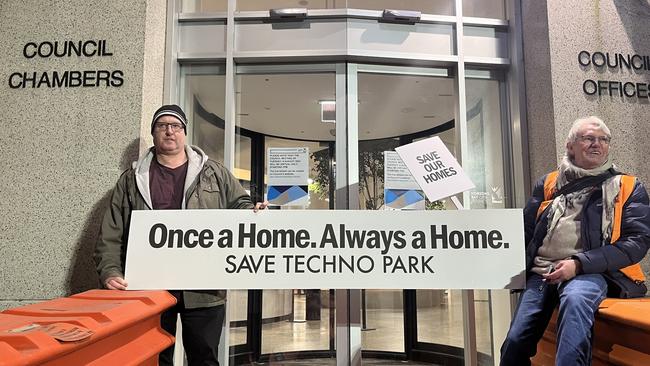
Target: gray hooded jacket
x: 208, y: 185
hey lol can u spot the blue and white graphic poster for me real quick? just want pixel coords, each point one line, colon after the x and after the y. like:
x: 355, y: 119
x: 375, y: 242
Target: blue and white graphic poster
x: 401, y: 191
x: 288, y: 176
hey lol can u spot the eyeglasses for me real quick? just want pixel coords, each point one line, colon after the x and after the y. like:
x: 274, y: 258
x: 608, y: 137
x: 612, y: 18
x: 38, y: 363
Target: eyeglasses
x: 592, y: 139
x: 161, y: 126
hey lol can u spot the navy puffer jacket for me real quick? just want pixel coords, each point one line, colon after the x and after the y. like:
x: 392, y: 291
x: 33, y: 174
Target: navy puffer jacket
x: 597, y: 256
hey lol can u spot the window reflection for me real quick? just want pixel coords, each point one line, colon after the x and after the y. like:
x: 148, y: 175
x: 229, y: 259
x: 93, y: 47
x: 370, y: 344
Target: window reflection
x: 251, y: 5
x: 471, y: 8
x: 203, y: 99
x: 283, y: 110
x: 204, y: 6
x: 484, y: 8
x: 485, y: 164
x: 204, y: 104
x: 394, y: 110
x: 440, y: 7
x: 238, y: 315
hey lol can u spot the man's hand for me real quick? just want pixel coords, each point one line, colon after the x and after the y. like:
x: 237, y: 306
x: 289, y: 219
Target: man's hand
x: 115, y: 283
x: 260, y: 206
x: 564, y: 271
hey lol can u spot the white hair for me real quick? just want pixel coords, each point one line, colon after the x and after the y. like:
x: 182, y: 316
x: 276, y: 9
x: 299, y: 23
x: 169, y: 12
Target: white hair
x: 591, y: 120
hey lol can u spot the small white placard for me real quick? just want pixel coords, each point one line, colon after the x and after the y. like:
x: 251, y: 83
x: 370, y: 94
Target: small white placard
x: 434, y: 168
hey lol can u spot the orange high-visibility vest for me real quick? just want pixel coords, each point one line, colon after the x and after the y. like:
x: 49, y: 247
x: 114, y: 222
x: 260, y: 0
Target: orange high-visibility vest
x: 633, y: 272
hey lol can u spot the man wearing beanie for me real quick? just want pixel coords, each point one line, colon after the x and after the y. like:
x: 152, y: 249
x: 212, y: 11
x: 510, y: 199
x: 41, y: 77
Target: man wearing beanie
x: 172, y: 175
x: 586, y: 227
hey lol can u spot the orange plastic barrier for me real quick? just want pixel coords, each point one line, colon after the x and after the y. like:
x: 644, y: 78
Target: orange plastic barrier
x: 621, y: 335
x: 97, y: 327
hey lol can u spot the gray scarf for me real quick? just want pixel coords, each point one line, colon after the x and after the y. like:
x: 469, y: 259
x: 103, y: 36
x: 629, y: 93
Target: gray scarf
x: 569, y: 172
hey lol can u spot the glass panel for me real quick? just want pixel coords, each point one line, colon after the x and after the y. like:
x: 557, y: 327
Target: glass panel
x: 440, y: 320
x: 286, y: 106
x: 485, y: 164
x: 238, y: 313
x: 500, y: 315
x: 438, y: 7
x: 383, y: 320
x: 204, y: 6
x: 482, y: 311
x: 203, y: 99
x: 202, y: 38
x: 243, y: 161
x: 485, y: 42
x: 441, y: 7
x: 202, y: 93
x: 440, y: 312
x: 371, y: 171
x: 403, y: 106
x: 440, y: 317
x: 396, y: 109
x: 295, y: 320
x: 484, y: 9
x: 248, y: 5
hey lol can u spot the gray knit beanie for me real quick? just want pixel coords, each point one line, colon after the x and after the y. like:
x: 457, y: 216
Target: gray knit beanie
x: 170, y: 110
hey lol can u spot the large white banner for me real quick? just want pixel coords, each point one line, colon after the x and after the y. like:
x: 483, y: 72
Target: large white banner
x: 240, y: 249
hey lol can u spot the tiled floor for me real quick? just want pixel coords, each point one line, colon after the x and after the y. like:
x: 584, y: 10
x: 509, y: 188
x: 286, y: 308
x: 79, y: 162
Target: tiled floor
x: 442, y: 324
x: 332, y: 362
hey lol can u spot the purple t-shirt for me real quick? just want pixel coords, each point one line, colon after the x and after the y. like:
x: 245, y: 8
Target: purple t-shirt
x: 166, y: 185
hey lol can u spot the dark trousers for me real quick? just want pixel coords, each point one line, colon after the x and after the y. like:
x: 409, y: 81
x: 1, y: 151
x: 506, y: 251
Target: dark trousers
x: 201, y: 332
x: 578, y: 298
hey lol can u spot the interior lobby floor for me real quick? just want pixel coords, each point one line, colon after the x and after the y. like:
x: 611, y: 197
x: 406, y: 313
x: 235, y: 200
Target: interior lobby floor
x: 440, y: 324
x: 332, y: 362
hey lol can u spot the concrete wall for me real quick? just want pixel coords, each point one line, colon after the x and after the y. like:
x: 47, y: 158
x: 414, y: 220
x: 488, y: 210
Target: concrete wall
x: 554, y: 34
x: 64, y: 147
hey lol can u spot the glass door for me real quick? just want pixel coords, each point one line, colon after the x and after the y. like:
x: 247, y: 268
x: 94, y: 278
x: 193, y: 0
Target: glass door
x: 365, y: 110
x: 396, y: 106
x: 288, y: 107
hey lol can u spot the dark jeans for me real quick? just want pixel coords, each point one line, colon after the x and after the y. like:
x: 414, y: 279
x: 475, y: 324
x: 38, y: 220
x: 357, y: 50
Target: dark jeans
x: 578, y: 298
x: 201, y: 332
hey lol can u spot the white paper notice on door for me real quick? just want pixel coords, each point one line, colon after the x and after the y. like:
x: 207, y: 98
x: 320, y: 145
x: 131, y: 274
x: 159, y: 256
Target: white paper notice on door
x: 288, y: 176
x: 401, y: 191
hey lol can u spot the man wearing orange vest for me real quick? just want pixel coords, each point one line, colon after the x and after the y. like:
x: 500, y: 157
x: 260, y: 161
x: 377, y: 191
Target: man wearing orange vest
x: 586, y: 227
